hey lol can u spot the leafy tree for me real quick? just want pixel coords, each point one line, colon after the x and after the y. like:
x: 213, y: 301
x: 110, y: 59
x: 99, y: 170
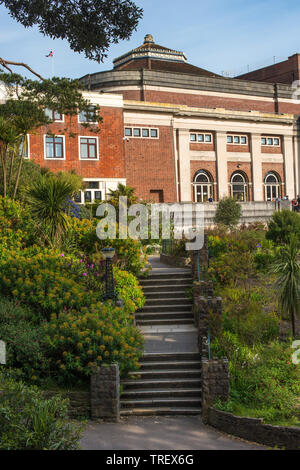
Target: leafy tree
x: 24, y: 111
x: 48, y: 197
x: 90, y: 26
x: 282, y: 226
x: 228, y: 212
x: 122, y: 191
x: 287, y: 268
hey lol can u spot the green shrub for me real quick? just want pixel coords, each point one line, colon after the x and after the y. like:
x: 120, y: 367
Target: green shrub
x: 228, y: 212
x: 282, y: 225
x: 77, y: 341
x: 29, y: 422
x: 262, y: 378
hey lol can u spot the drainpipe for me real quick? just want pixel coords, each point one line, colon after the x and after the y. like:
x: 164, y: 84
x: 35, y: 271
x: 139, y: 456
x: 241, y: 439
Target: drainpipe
x: 276, y: 100
x: 174, y: 158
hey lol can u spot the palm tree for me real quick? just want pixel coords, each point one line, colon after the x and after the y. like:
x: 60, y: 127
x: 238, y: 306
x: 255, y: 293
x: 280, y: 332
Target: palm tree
x: 47, y: 197
x: 122, y: 191
x: 287, y: 269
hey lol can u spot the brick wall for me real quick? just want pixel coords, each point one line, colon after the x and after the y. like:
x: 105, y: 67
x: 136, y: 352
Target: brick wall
x: 283, y: 72
x: 111, y: 162
x: 150, y: 165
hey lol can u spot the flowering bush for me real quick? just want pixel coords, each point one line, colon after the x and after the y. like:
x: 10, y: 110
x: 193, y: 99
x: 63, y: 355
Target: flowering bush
x: 78, y: 341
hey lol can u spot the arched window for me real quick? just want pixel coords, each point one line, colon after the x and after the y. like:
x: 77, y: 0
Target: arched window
x: 203, y: 186
x: 239, y: 187
x: 272, y: 186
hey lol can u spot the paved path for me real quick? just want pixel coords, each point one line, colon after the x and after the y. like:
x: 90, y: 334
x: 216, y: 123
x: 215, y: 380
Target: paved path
x: 160, y: 433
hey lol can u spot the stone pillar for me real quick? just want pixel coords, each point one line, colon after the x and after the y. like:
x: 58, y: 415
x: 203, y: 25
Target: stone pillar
x: 288, y: 154
x: 184, y: 165
x: 203, y: 308
x: 203, y: 258
x: 257, y: 176
x: 105, y: 393
x: 222, y: 172
x: 215, y: 383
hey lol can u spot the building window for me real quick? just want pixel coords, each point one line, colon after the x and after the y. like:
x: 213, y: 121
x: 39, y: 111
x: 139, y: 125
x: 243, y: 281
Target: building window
x: 88, y: 116
x: 239, y: 187
x: 201, y: 138
x: 24, y: 150
x: 54, y: 147
x: 272, y: 186
x: 128, y: 132
x: 237, y: 140
x: 88, y: 148
x: 93, y: 193
x: 54, y: 115
x: 144, y: 132
x: 203, y: 186
x: 270, y: 141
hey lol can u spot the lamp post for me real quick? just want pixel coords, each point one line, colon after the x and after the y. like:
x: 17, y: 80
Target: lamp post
x: 108, y: 254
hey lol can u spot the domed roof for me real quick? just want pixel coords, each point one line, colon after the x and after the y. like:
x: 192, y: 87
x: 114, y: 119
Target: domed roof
x: 150, y: 50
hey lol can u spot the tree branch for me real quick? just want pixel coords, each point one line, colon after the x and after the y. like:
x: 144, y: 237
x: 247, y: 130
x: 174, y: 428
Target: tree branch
x: 5, y: 64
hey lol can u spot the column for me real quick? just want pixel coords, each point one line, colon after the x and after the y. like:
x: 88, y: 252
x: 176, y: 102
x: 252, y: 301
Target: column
x: 184, y: 165
x: 222, y: 172
x: 288, y: 155
x: 257, y: 176
x: 297, y: 163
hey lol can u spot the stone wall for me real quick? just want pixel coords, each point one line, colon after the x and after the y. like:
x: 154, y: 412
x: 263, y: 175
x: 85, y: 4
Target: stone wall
x: 203, y: 309
x: 105, y: 393
x: 215, y: 383
x: 255, y: 430
x: 79, y: 402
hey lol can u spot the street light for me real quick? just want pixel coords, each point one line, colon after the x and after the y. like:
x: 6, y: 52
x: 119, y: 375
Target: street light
x: 108, y: 254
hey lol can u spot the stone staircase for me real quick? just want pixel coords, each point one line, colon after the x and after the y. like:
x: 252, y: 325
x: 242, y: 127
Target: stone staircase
x: 166, y: 300
x: 168, y: 383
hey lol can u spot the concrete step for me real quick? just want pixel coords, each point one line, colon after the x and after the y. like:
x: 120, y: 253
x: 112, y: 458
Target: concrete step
x: 178, y: 321
x: 169, y: 301
x: 151, y: 384
x: 167, y: 374
x: 163, y: 315
x: 165, y: 393
x: 165, y: 288
x: 166, y: 308
x: 166, y: 294
x: 180, y: 356
x: 160, y: 411
x: 169, y: 365
x: 172, y: 274
x: 161, y: 402
x: 165, y: 281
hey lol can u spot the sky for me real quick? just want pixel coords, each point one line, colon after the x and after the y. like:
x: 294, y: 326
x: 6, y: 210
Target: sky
x: 224, y: 36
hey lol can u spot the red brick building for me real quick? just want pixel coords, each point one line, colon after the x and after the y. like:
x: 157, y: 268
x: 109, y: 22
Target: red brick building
x: 177, y: 132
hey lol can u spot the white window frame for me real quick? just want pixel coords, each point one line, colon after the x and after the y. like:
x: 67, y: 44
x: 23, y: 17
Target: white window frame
x: 86, y: 122
x: 273, y: 138
x: 204, y: 135
x: 97, y: 148
x: 132, y: 136
x: 239, y: 136
x: 276, y: 185
x: 64, y: 147
x: 100, y: 189
x: 28, y: 148
x: 56, y: 120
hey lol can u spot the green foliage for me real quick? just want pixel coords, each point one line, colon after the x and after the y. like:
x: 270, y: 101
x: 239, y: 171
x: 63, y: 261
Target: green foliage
x: 89, y: 26
x: 30, y: 422
x: 77, y: 341
x: 47, y: 198
x: 282, y: 226
x: 228, y: 212
x: 287, y: 269
x: 263, y: 378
